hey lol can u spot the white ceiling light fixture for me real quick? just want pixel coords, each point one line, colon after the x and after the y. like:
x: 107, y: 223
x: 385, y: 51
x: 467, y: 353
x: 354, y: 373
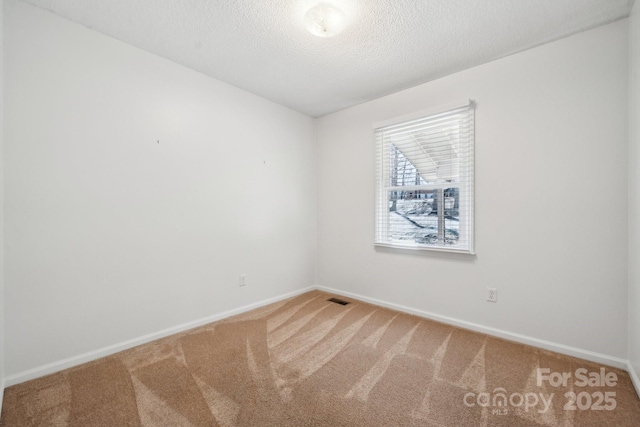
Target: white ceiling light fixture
x: 325, y: 20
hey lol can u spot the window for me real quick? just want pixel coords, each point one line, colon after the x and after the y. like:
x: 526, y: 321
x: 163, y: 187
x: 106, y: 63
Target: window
x: 425, y: 181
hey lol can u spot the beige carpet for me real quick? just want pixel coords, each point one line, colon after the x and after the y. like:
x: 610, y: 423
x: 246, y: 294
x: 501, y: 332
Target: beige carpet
x: 310, y: 362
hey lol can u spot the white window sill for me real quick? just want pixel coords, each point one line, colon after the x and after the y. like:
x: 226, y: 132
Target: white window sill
x: 422, y: 249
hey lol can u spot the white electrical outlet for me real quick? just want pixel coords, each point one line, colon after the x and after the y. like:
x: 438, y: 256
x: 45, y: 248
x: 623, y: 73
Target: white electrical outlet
x: 243, y: 280
x: 492, y: 295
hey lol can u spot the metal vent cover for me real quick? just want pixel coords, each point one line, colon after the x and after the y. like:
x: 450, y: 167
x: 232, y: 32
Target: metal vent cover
x: 338, y: 301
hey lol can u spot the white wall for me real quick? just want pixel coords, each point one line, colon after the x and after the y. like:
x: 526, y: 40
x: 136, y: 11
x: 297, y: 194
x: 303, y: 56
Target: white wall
x: 634, y: 192
x: 2, y: 348
x: 111, y: 235
x: 551, y: 198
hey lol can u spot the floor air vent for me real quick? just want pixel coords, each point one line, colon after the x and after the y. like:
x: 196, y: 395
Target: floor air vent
x: 338, y: 301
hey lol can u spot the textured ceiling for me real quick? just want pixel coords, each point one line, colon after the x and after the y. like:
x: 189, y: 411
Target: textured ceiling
x: 389, y: 45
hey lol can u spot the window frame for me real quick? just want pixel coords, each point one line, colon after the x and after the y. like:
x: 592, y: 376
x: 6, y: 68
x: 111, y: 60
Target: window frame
x: 465, y: 186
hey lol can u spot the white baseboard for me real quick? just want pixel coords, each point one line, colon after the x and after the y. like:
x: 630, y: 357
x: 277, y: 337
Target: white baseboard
x: 634, y: 377
x: 70, y: 362
x: 603, y: 359
x: 107, y: 351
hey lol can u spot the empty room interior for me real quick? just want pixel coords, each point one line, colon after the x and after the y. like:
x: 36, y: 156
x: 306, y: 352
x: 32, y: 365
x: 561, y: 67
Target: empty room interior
x: 320, y: 212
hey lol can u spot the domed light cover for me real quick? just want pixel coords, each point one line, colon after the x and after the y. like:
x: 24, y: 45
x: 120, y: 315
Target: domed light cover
x: 324, y: 20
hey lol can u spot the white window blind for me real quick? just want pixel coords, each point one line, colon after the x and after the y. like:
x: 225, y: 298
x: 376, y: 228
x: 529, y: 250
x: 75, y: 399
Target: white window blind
x: 424, y: 180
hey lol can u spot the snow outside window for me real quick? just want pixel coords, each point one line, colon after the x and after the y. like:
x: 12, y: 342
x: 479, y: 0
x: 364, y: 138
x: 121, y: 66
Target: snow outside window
x: 424, y: 180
